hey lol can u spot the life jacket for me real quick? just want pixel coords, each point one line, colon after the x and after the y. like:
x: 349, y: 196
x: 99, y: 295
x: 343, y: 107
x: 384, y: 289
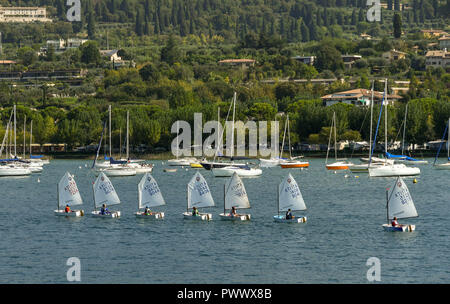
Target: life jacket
x: 67, y: 209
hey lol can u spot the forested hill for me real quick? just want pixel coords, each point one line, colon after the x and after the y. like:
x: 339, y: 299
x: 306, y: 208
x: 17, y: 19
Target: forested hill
x: 293, y: 20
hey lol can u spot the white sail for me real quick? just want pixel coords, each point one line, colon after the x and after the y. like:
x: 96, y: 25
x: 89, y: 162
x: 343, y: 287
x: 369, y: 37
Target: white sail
x: 149, y: 193
x: 104, y: 192
x: 235, y: 194
x: 68, y: 191
x: 290, y: 196
x: 400, y: 202
x: 199, y: 194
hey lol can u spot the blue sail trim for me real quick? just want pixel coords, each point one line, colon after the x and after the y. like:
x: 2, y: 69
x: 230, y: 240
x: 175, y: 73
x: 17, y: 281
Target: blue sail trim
x: 389, y: 155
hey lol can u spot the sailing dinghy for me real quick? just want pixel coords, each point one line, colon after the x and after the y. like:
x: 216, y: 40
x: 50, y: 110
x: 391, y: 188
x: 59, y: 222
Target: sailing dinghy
x: 68, y: 194
x: 149, y: 196
x: 198, y: 196
x: 289, y: 197
x: 104, y: 193
x: 399, y: 204
x: 235, y: 196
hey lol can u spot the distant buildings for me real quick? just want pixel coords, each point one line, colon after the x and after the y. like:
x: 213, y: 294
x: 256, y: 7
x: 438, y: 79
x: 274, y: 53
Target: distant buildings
x: 23, y: 14
x: 309, y: 60
x: 357, y: 97
x: 433, y: 33
x: 349, y: 60
x: 393, y: 55
x: 438, y: 59
x: 111, y: 55
x: 444, y: 42
x: 61, y: 45
x: 242, y: 63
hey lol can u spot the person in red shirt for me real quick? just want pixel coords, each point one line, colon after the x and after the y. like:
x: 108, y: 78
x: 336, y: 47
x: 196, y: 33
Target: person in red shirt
x: 67, y: 208
x: 394, y: 222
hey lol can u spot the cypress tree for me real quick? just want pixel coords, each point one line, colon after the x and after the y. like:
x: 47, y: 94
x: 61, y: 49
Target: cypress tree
x: 397, y: 26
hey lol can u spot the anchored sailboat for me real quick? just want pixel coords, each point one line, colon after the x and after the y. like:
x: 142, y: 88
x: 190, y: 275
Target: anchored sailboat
x: 149, y: 196
x: 399, y: 204
x: 444, y: 166
x: 289, y: 199
x: 198, y: 196
x: 68, y: 195
x: 338, y: 164
x: 292, y: 162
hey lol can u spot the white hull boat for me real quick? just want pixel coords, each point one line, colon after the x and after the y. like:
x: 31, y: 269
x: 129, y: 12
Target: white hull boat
x: 181, y: 161
x: 442, y: 166
x: 400, y: 228
x: 282, y: 219
x: 73, y: 213
x: 199, y: 217
x: 14, y: 171
x: 269, y: 163
x: 238, y: 218
x: 393, y: 170
x: 242, y: 172
x: 109, y: 215
x: 116, y: 172
x: 153, y: 215
x: 363, y: 168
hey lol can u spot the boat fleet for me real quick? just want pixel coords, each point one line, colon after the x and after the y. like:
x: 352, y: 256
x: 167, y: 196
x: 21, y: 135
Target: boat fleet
x: 13, y: 164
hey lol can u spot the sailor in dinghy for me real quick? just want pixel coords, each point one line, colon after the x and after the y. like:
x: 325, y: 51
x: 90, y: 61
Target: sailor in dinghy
x: 104, y: 194
x: 235, y: 197
x: 149, y: 196
x: 198, y: 196
x: 289, y: 199
x: 399, y: 205
x: 68, y: 195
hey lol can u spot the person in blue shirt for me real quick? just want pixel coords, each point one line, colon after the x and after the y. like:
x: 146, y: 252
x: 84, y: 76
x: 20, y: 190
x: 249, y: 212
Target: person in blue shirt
x: 289, y: 215
x: 104, y: 210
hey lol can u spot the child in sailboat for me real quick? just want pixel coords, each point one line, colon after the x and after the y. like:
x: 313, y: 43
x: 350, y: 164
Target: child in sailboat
x: 104, y: 210
x: 289, y: 215
x: 195, y: 211
x: 67, y: 209
x: 233, y: 212
x: 147, y: 211
x: 395, y: 223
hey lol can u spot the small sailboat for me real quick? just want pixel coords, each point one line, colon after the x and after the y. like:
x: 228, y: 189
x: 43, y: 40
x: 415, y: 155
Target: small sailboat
x: 339, y: 164
x: 399, y: 204
x: 292, y: 162
x: 68, y: 194
x: 241, y: 171
x: 149, y: 196
x: 444, y: 166
x: 104, y: 194
x: 289, y: 197
x: 198, y: 196
x: 235, y: 196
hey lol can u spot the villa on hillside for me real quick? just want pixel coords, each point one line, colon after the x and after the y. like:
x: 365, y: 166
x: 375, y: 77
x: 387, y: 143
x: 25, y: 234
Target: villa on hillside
x: 23, y: 14
x: 433, y: 33
x: 242, y: 63
x: 357, y: 97
x: 393, y: 55
x: 438, y: 59
x: 444, y: 42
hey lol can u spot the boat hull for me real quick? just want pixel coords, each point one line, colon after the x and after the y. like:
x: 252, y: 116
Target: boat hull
x: 200, y: 217
x: 111, y: 215
x: 282, y: 219
x: 239, y: 218
x: 337, y: 166
x: 393, y: 170
x: 294, y: 165
x: 227, y: 172
x: 117, y: 172
x: 442, y: 166
x: 152, y: 216
x: 269, y: 163
x: 210, y: 165
x: 402, y: 228
x: 14, y: 171
x: 73, y: 213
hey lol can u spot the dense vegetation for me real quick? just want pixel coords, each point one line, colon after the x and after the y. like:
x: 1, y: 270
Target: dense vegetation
x: 176, y: 45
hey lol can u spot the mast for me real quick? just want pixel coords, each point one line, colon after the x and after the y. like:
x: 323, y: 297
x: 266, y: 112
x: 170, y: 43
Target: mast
x: 128, y: 135
x: 31, y: 137
x: 371, y: 121
x: 448, y: 142
x: 224, y: 194
x: 278, y: 199
x: 387, y: 206
x: 284, y: 135
x: 93, y: 194
x: 329, y: 139
x: 232, y: 126
x: 109, y: 113
x: 219, y: 138
x: 15, y: 133
x: 24, y: 127
x: 335, y: 144
x: 178, y: 144
x: 57, y: 195
x: 385, y: 119
x: 289, y: 134
x: 404, y: 129
x: 120, y: 143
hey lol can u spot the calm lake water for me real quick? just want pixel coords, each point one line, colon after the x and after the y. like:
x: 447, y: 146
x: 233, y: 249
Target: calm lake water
x: 345, y: 215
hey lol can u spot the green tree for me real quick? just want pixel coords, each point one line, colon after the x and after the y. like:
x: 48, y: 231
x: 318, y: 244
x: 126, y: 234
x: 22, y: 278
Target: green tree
x: 90, y: 53
x: 397, y: 26
x: 170, y: 52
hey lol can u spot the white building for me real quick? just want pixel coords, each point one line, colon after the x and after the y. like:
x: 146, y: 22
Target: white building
x: 23, y: 14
